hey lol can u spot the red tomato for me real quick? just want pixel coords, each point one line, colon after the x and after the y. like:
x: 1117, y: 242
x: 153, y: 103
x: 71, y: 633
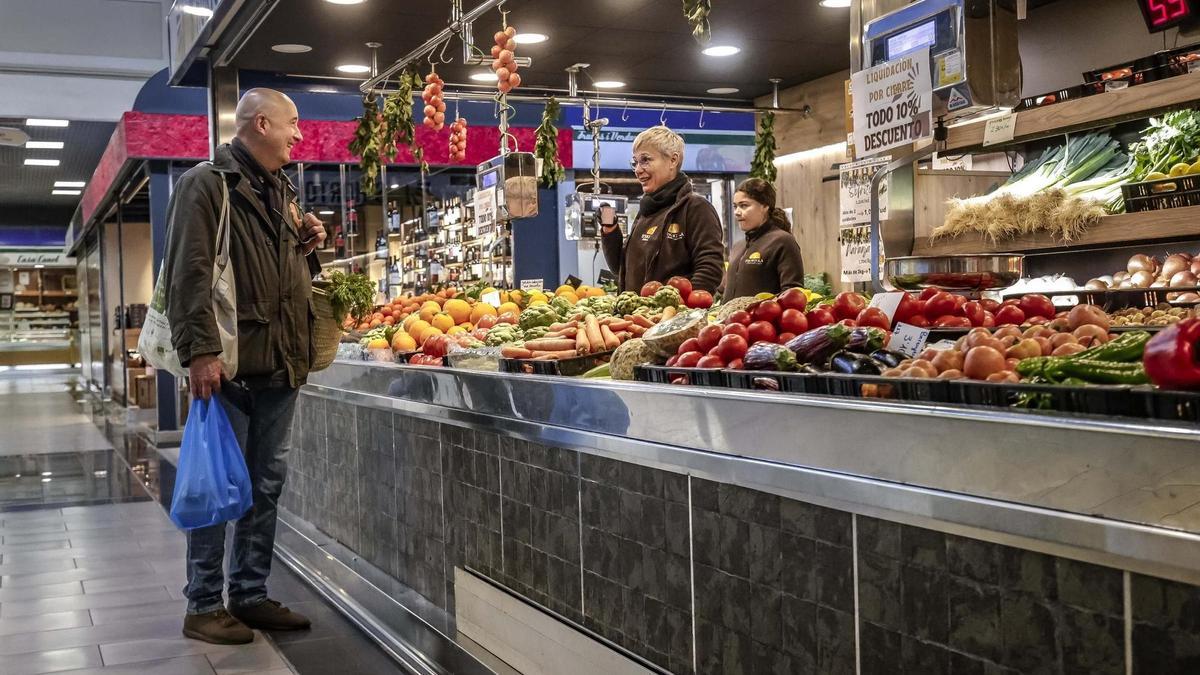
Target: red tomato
x: 732, y: 348
x: 436, y: 345
x: 873, y: 316
x: 710, y: 361
x: 929, y: 293
x: 974, y: 311
x: 651, y: 288
x: 850, y: 323
x: 793, y: 321
x: 785, y: 338
x: 708, y: 338
x: 736, y: 364
x: 950, y: 321
x: 487, y: 321
x: 741, y: 317
x: 737, y: 329
x: 1037, y: 304
x: 689, y: 345
x: 847, y: 305
x: 918, y: 320
x: 769, y: 311
x: 990, y: 305
x: 698, y: 299
x: 989, y: 319
x: 793, y: 298
x: 941, y: 304
x: 689, y: 360
x: 1037, y: 320
x: 821, y: 316
x: 681, y: 284
x: 1010, y: 315
x: 959, y: 301
x: 908, y: 307
x: 762, y: 331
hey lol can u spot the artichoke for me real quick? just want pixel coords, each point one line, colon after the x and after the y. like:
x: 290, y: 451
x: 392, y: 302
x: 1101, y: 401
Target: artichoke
x: 502, y: 334
x: 627, y: 303
x: 648, y: 311
x: 539, y: 315
x: 668, y: 296
x: 536, y: 332
x: 562, y: 306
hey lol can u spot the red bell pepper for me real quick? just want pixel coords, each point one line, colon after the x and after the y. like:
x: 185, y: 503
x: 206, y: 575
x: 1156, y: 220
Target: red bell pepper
x: 1172, y: 357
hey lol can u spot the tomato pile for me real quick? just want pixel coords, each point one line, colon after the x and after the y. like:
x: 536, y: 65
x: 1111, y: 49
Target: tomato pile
x: 504, y: 61
x: 435, y: 105
x: 724, y: 346
x: 693, y: 299
x: 940, y: 309
x: 458, y: 140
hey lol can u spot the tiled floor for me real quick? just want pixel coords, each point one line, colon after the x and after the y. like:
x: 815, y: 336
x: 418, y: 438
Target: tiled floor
x: 91, y: 569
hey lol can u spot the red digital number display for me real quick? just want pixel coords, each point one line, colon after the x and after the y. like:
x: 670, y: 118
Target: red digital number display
x: 1163, y: 14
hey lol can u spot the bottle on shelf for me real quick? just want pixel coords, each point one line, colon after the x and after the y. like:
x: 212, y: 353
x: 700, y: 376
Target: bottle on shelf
x: 381, y: 247
x: 351, y: 218
x: 339, y: 242
x: 393, y: 225
x: 394, y: 278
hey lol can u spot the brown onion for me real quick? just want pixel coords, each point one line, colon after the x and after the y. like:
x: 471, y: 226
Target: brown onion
x: 1141, y: 279
x: 1140, y: 262
x: 1185, y: 278
x: 1096, y: 285
x: 1174, y: 264
x: 1119, y: 277
x: 1188, y: 297
x: 1196, y: 266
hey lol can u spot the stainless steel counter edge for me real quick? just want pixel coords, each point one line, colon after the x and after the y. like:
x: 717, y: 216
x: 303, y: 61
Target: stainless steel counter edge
x: 1114, y: 493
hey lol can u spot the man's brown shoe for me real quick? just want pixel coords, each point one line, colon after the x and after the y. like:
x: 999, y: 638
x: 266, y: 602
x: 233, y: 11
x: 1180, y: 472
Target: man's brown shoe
x: 217, y: 627
x: 270, y: 615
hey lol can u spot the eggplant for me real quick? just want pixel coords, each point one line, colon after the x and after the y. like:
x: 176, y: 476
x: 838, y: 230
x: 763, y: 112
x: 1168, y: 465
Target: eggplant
x: 865, y: 339
x: 850, y: 363
x: 769, y: 356
x: 889, y: 359
x: 818, y: 344
x: 810, y: 369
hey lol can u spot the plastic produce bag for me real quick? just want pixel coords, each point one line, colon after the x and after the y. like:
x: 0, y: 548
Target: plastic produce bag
x: 212, y: 485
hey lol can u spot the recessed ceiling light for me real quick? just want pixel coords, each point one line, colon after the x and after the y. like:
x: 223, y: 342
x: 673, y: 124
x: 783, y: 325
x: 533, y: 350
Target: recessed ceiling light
x: 609, y: 84
x: 69, y: 183
x: 69, y: 193
x: 484, y: 77
x: 39, y: 267
x: 834, y: 4
x: 37, y: 122
x: 196, y: 11
x: 41, y: 162
x: 325, y: 213
x: 289, y: 48
x: 44, y: 145
x: 47, y: 480
x: 47, y: 473
x: 394, y: 186
x: 724, y: 90
x: 353, y: 68
x: 529, y: 38
x: 345, y: 2
x: 721, y: 50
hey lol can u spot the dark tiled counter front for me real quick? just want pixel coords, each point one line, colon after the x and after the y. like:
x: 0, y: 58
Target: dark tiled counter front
x: 691, y: 572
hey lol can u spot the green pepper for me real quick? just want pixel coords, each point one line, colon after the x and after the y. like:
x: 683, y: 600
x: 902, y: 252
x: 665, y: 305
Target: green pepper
x: 1099, y: 372
x: 1128, y: 347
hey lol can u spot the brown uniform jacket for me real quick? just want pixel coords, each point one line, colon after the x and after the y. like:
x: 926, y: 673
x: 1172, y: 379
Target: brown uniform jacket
x: 272, y: 275
x: 684, y: 239
x: 767, y: 261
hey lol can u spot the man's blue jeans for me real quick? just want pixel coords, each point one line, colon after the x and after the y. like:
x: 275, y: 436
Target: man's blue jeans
x: 261, y: 419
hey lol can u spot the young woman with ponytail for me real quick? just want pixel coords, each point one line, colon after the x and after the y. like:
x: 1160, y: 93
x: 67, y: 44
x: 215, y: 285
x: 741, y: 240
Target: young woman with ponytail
x: 768, y: 260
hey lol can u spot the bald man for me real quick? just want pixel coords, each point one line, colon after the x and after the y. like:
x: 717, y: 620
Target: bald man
x: 271, y: 251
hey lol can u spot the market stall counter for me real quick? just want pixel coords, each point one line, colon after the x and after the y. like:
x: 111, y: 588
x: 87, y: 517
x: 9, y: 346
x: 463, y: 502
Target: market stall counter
x: 699, y: 530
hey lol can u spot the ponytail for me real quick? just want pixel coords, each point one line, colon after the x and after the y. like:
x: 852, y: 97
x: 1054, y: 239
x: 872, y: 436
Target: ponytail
x: 778, y: 218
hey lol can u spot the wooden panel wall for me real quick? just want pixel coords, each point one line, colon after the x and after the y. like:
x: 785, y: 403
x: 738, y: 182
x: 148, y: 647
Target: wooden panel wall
x: 931, y: 191
x: 827, y: 124
x: 814, y: 205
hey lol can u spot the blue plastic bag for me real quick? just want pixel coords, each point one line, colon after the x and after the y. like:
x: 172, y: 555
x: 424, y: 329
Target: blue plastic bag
x: 212, y: 484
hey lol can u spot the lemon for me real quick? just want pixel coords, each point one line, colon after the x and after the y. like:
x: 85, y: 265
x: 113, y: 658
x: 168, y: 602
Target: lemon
x: 1194, y: 168
x: 1155, y: 175
x: 1179, y: 169
x: 764, y: 296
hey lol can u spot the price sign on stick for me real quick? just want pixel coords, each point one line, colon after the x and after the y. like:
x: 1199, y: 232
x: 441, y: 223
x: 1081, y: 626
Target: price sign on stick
x: 532, y: 284
x: 908, y: 340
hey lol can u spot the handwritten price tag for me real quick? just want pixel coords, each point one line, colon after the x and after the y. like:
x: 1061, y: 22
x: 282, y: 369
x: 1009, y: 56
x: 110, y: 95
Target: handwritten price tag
x: 888, y: 303
x: 908, y: 340
x: 532, y: 284
x: 492, y: 299
x: 1000, y: 130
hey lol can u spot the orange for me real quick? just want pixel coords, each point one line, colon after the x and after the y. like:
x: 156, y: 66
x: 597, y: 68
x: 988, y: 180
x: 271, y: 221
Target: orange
x: 516, y: 297
x: 565, y: 288
x: 377, y: 315
x: 429, y: 332
x: 459, y: 310
x: 403, y: 342
x: 456, y: 330
x: 443, y: 322
x: 377, y: 343
x: 509, y: 307
x: 389, y: 321
x: 467, y: 326
x: 481, y: 310
x: 410, y: 320
x: 570, y: 297
x: 429, y: 310
x: 417, y: 327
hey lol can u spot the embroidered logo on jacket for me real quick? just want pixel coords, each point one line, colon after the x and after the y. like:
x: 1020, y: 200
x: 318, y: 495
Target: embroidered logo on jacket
x: 674, y: 232
x: 754, y: 259
x: 649, y: 232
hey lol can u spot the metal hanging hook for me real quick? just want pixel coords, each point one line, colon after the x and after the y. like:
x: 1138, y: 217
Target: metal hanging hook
x: 624, y: 116
x: 662, y: 118
x: 701, y: 115
x: 442, y: 53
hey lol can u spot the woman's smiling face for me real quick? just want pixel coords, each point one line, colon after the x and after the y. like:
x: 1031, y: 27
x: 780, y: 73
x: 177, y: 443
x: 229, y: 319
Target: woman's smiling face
x: 653, y: 169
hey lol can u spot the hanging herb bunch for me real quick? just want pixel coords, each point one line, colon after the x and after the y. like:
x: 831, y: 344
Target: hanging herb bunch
x: 697, y: 12
x: 763, y: 165
x: 546, y: 148
x: 366, y: 144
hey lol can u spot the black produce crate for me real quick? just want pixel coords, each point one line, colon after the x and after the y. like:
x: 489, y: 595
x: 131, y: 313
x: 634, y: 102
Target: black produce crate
x: 1050, y: 98
x: 1108, y: 400
x: 565, y: 367
x: 876, y: 386
x: 1162, y: 186
x: 771, y: 380
x: 1162, y: 404
x: 1114, y: 299
x: 699, y: 377
x: 1178, y: 61
x: 1128, y: 73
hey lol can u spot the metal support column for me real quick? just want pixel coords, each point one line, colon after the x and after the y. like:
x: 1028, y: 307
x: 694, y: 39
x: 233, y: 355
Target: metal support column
x: 160, y: 196
x: 222, y: 103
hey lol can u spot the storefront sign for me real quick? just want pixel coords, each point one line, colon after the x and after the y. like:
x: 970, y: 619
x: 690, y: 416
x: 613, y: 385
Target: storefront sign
x: 893, y: 104
x: 856, y: 253
x: 31, y: 259
x: 854, y: 182
x: 716, y: 151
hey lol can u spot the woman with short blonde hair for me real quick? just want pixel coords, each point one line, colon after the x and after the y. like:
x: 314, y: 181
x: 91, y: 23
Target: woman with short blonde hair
x: 677, y: 232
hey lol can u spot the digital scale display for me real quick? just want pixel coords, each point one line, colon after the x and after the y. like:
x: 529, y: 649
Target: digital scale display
x: 488, y: 179
x: 923, y: 35
x: 1163, y: 14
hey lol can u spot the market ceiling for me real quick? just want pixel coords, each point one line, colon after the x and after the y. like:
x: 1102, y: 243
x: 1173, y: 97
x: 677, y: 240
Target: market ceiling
x: 646, y: 45
x: 26, y: 191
